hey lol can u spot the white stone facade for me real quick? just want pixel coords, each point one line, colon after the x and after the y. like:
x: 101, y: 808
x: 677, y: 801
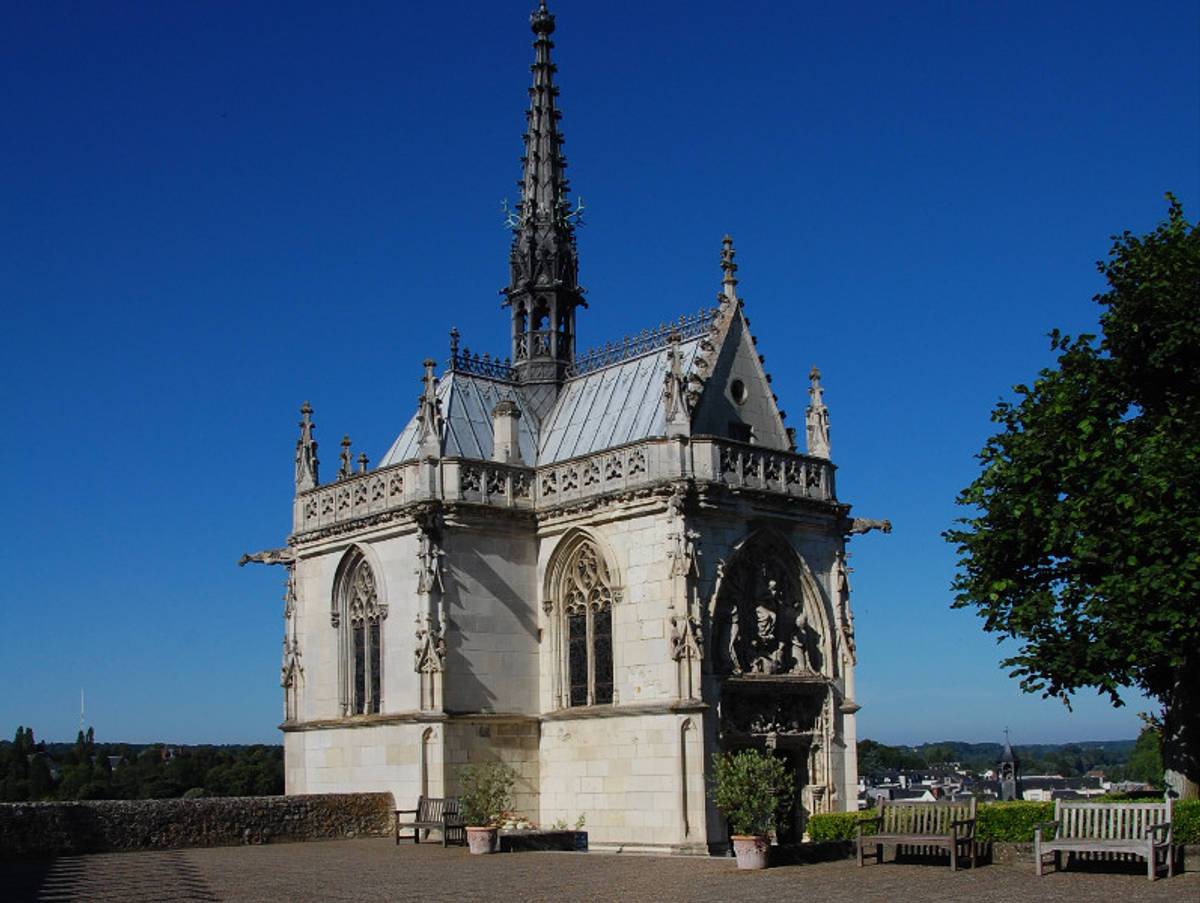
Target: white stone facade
x: 600, y: 570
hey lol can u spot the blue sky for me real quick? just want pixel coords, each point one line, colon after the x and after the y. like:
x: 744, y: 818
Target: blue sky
x: 212, y: 211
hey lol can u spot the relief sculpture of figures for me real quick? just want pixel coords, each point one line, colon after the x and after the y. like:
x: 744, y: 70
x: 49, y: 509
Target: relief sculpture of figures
x: 760, y: 620
x: 429, y: 552
x: 681, y: 542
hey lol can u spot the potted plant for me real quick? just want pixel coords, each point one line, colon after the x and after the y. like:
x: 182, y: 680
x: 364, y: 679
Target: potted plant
x: 747, y: 788
x: 486, y: 794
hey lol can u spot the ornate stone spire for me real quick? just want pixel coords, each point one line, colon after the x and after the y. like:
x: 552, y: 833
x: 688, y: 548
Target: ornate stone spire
x: 728, y: 267
x: 816, y: 417
x: 306, y: 452
x: 429, y: 414
x: 543, y: 290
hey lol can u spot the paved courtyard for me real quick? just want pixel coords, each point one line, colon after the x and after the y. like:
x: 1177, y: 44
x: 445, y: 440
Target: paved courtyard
x: 376, y: 870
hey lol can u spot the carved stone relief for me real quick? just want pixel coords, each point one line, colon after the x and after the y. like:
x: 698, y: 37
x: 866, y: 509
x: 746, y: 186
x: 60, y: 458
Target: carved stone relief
x: 760, y: 619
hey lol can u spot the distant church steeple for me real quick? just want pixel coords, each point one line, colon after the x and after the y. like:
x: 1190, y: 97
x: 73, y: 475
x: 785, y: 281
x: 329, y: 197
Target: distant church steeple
x: 1010, y: 772
x: 543, y: 290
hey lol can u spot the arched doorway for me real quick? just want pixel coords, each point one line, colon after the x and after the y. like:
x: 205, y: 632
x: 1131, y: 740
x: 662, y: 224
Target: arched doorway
x: 771, y: 652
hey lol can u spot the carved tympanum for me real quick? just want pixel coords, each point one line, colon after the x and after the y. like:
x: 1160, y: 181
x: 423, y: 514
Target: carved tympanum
x: 761, y: 623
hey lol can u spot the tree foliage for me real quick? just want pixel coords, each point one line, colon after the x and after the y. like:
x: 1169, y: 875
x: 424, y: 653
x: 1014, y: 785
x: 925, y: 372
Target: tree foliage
x: 750, y: 788
x: 85, y: 770
x: 1084, y: 544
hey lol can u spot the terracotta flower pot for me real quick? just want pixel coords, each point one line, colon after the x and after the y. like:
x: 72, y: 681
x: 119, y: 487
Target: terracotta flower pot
x: 482, y: 840
x: 750, y: 850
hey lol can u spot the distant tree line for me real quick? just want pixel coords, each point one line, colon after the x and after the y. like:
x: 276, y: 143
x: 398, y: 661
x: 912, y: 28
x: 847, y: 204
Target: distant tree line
x: 87, y: 770
x: 1125, y: 760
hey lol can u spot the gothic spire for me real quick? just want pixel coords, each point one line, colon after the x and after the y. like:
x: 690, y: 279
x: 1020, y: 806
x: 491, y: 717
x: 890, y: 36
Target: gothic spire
x: 306, y: 452
x: 543, y: 289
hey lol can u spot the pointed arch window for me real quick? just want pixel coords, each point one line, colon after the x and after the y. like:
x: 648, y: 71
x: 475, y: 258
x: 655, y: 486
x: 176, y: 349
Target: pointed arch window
x: 360, y: 613
x: 585, y: 611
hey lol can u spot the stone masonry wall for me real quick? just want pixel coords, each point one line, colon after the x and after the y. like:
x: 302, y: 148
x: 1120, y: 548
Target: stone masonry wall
x: 39, y: 830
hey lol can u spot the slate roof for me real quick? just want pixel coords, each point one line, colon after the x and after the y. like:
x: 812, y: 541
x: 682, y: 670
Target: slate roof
x: 467, y: 403
x: 611, y: 406
x: 603, y: 408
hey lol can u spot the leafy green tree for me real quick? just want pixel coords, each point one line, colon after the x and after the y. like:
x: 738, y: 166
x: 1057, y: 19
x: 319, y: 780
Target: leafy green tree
x: 1145, y: 762
x: 1084, y: 545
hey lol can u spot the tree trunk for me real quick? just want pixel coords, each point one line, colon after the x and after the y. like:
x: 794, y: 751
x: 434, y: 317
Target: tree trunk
x: 1181, y: 732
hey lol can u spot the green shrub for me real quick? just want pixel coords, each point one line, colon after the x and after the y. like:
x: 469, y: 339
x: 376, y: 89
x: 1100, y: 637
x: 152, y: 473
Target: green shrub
x: 833, y: 826
x: 1186, y: 819
x: 747, y: 788
x: 486, y: 793
x: 1011, y: 822
x: 195, y: 793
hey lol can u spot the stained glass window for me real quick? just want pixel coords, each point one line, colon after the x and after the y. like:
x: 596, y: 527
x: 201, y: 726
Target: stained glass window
x: 587, y: 626
x: 578, y: 657
x: 602, y: 655
x: 360, y: 672
x: 363, y: 615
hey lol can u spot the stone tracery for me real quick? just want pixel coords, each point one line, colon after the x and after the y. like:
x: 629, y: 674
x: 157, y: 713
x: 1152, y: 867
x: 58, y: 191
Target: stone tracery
x: 586, y: 596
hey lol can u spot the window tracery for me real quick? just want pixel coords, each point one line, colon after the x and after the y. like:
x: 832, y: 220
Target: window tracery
x: 586, y: 598
x: 362, y: 640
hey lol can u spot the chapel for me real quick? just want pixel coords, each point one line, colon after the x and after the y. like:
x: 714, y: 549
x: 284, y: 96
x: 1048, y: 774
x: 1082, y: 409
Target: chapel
x: 599, y: 567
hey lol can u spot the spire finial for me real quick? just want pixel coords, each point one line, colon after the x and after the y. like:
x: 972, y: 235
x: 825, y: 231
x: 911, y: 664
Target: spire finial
x: 306, y: 452
x: 541, y: 20
x: 728, y: 267
x: 344, y: 459
x: 816, y: 417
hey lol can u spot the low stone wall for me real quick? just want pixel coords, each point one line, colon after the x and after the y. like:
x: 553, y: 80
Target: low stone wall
x: 41, y: 830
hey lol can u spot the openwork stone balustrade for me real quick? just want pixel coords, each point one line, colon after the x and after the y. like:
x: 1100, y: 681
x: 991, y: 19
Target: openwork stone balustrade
x: 739, y: 466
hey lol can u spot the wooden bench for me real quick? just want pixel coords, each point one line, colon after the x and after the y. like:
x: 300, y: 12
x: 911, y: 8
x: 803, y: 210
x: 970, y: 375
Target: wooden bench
x: 1139, y: 829
x: 433, y: 814
x: 944, y: 825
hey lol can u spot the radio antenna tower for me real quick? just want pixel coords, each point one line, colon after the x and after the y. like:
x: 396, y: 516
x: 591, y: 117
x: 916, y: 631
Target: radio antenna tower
x: 81, y: 724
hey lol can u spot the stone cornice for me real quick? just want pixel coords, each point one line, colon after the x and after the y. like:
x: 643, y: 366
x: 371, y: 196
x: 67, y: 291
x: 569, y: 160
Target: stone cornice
x: 578, y: 713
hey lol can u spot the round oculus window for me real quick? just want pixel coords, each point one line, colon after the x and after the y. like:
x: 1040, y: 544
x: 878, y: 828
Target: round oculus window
x: 737, y: 390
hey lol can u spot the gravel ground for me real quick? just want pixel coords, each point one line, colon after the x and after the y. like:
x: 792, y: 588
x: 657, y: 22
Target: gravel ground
x: 375, y: 869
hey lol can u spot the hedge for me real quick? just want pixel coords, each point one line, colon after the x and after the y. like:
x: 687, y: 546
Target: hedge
x: 826, y: 826
x: 1011, y: 822
x: 1005, y: 822
x: 1186, y: 817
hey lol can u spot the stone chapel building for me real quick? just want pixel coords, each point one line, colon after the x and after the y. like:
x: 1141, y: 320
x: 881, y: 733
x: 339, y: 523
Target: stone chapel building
x: 600, y: 567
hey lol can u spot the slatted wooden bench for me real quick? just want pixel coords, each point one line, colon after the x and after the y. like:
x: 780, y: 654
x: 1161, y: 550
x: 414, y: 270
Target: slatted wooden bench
x: 433, y: 814
x: 1139, y: 829
x: 943, y: 825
